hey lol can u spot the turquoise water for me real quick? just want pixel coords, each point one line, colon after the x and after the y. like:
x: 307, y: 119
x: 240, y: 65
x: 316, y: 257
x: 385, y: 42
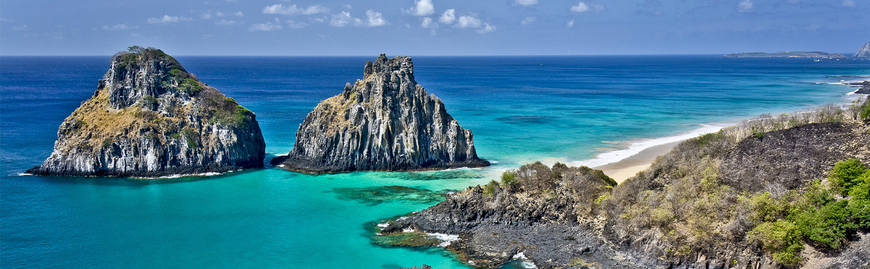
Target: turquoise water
x: 520, y: 108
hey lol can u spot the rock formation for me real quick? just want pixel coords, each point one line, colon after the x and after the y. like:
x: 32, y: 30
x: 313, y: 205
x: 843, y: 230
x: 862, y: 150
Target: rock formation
x: 384, y: 122
x: 865, y: 88
x: 695, y: 207
x: 149, y: 117
x: 863, y: 52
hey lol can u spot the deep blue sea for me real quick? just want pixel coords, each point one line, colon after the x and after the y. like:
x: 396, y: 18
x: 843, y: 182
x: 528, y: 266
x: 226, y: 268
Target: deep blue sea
x: 521, y: 109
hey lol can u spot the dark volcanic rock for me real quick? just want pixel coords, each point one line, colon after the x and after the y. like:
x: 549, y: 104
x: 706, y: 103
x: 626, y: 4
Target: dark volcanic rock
x: 149, y: 117
x: 792, y: 157
x: 384, y: 122
x: 865, y: 88
x: 682, y: 212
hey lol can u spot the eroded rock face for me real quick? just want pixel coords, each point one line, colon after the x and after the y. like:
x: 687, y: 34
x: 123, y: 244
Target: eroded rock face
x: 384, y: 122
x: 149, y: 117
x: 865, y: 88
x: 863, y: 52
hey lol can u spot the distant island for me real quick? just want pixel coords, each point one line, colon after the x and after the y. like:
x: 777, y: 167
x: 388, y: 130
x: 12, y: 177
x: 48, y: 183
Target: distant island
x: 787, y: 54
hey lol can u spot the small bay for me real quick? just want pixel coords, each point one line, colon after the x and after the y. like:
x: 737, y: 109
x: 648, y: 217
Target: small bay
x: 521, y: 109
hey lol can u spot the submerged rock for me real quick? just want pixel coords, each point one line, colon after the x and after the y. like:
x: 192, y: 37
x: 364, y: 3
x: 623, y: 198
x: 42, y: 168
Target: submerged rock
x: 149, y: 117
x: 384, y: 122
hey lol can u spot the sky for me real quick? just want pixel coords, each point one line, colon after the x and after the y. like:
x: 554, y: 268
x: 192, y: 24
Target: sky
x: 432, y: 27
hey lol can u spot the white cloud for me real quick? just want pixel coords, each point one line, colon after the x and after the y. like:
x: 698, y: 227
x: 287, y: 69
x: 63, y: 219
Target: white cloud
x: 422, y: 8
x: 375, y: 18
x: 225, y: 22
x: 448, y: 17
x: 269, y: 26
x: 4, y: 19
x: 296, y: 25
x: 467, y: 22
x: 745, y: 6
x: 570, y: 24
x: 526, y: 2
x: 427, y: 23
x: 848, y: 3
x: 118, y: 27
x: 168, y: 19
x: 343, y: 19
x: 528, y: 20
x: 486, y: 29
x: 239, y: 14
x: 293, y: 10
x: 19, y: 28
x: 583, y: 7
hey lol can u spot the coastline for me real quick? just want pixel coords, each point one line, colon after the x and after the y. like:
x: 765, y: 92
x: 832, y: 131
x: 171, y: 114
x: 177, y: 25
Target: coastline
x: 628, y: 167
x: 622, y: 164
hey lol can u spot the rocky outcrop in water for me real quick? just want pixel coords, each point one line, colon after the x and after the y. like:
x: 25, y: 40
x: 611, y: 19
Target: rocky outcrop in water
x: 384, y: 122
x: 149, y: 117
x: 865, y: 88
x: 863, y: 52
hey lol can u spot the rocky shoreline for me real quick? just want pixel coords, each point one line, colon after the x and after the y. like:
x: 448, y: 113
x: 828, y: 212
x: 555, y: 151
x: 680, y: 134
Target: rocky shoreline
x: 546, y: 218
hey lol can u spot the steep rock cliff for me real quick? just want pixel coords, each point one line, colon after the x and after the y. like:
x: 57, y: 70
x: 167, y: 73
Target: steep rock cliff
x: 863, y: 52
x: 149, y: 117
x: 384, y: 122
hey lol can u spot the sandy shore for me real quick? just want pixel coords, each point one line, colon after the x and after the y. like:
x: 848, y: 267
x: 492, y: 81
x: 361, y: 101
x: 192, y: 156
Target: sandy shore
x: 628, y: 167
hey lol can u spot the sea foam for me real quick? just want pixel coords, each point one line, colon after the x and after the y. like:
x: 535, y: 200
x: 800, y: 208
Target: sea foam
x: 640, y: 145
x: 446, y: 239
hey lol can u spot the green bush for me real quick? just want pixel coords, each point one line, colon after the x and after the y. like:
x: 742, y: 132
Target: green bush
x: 780, y: 237
x: 827, y: 226
x: 490, y: 188
x: 191, y: 137
x: 107, y: 142
x: 845, y: 175
x: 509, y: 180
x: 190, y: 86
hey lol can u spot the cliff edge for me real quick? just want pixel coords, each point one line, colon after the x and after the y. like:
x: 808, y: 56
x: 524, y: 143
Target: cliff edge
x: 149, y: 117
x: 384, y: 122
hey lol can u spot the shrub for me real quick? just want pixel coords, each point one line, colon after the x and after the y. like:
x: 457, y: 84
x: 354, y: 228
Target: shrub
x: 829, y: 225
x: 845, y: 175
x: 535, y: 177
x: 509, y: 180
x: 190, y: 86
x: 780, y: 237
x: 191, y: 136
x: 491, y: 188
x: 107, y: 142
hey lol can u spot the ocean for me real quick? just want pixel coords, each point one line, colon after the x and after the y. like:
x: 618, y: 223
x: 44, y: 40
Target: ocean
x: 572, y: 109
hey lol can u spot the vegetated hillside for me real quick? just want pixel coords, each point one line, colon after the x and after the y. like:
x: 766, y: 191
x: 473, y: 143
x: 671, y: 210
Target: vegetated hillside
x: 770, y: 192
x: 749, y: 188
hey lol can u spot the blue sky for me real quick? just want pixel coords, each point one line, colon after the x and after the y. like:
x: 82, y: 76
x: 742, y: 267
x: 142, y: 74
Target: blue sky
x: 432, y: 27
